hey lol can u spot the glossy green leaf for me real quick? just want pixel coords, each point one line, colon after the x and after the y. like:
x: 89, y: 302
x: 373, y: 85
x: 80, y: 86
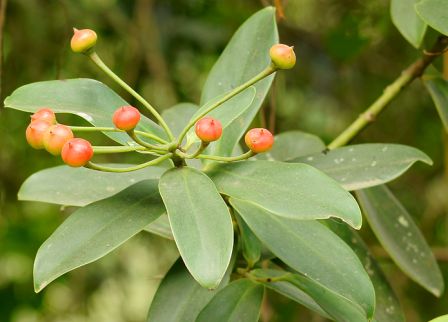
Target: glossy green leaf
x: 200, y: 222
x: 251, y: 246
x: 401, y: 237
x: 292, y: 145
x: 64, y: 185
x: 438, y: 88
x: 95, y: 230
x: 177, y: 117
x: 246, y: 55
x: 161, y: 227
x: 387, y: 305
x: 179, y: 297
x: 87, y: 98
x: 336, y: 305
x: 443, y: 318
x: 313, y: 250
x: 366, y: 165
x: 290, y: 190
x: 407, y: 21
x: 433, y: 12
x: 237, y: 302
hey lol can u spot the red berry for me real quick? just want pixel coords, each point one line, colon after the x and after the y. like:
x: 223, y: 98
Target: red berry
x: 77, y: 152
x: 44, y: 114
x: 282, y: 56
x: 126, y: 118
x: 208, y: 129
x: 259, y: 140
x: 35, y: 133
x: 83, y: 40
x: 55, y: 138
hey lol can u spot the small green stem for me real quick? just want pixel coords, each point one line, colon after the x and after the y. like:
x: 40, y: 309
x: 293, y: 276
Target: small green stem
x: 244, y: 156
x: 97, y: 60
x: 116, y: 149
x: 132, y: 134
x: 266, y: 72
x: 201, y: 148
x: 99, y: 167
x: 245, y: 273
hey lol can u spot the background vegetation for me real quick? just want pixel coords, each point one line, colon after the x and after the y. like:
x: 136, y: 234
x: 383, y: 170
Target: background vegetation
x: 348, y: 50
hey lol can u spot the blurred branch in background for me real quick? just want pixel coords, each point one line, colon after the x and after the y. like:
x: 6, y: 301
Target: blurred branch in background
x: 3, y: 5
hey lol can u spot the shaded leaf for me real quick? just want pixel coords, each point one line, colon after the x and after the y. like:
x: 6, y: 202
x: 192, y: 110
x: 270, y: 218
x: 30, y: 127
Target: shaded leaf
x: 433, y: 12
x: 438, y: 88
x: 251, y: 246
x: 407, y: 21
x: 161, y: 226
x: 177, y: 117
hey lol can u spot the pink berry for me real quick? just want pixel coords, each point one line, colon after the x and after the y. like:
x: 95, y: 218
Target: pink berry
x: 83, y: 40
x: 126, y: 118
x: 77, y: 152
x: 44, y: 114
x: 55, y: 138
x: 208, y: 129
x: 259, y: 140
x: 35, y: 133
x: 282, y: 56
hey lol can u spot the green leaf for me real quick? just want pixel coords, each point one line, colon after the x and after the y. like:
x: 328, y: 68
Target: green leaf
x: 336, y: 305
x: 443, y: 318
x: 237, y: 302
x: 179, y: 297
x: 251, y: 246
x: 87, y: 98
x: 438, y: 89
x: 290, y: 190
x: 200, y: 222
x: 177, y: 117
x: 161, y: 227
x: 313, y: 250
x: 433, y: 12
x: 407, y: 21
x: 387, y: 306
x: 65, y: 185
x: 400, y: 236
x: 246, y: 55
x: 95, y: 230
x: 366, y: 165
x: 292, y: 145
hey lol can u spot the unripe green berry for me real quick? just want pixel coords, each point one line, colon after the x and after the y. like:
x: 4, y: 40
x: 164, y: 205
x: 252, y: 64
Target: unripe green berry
x: 44, y: 114
x: 126, y: 118
x: 77, y: 152
x: 208, y: 129
x: 259, y: 140
x: 83, y: 40
x: 55, y: 138
x: 282, y: 56
x: 35, y: 133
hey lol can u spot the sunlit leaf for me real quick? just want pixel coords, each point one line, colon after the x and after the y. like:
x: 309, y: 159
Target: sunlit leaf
x: 438, y: 88
x: 407, y: 21
x: 433, y: 12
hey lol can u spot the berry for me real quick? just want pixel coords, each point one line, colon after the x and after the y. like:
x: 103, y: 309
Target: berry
x: 282, y: 56
x: 83, y: 40
x: 208, y: 129
x: 55, y: 138
x: 77, y: 152
x: 35, y: 133
x: 44, y: 114
x: 126, y: 118
x: 259, y: 140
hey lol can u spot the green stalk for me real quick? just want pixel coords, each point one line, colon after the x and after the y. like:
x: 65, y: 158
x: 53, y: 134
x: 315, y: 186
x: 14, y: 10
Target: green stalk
x: 243, y: 156
x: 201, y: 148
x: 99, y: 167
x: 116, y: 149
x: 97, y: 60
x: 132, y: 134
x: 112, y: 129
x: 266, y: 72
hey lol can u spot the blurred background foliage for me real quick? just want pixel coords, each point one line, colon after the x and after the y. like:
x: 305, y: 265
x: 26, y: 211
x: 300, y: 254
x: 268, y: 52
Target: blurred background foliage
x: 348, y: 51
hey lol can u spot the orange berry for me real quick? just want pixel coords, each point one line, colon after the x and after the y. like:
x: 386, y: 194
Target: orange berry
x: 35, y: 133
x: 208, y: 129
x: 83, y: 40
x: 126, y: 118
x: 55, y: 138
x: 44, y: 114
x: 77, y: 152
x: 259, y: 140
x: 282, y: 56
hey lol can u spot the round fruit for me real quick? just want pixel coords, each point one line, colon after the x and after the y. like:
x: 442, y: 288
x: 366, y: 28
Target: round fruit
x: 208, y: 129
x: 44, y: 114
x: 77, y: 152
x: 259, y: 140
x: 83, y: 40
x: 126, y: 118
x: 35, y: 133
x: 282, y: 56
x: 55, y: 138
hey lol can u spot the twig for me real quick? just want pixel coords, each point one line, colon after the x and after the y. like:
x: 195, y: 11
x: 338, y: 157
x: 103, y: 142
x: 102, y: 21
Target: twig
x: 412, y: 72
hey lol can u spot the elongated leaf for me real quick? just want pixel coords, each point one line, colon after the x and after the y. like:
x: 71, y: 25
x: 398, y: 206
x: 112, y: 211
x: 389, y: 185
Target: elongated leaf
x: 366, y: 165
x: 313, y: 250
x: 246, y: 55
x: 433, y: 12
x: 251, y: 246
x: 177, y: 117
x: 292, y: 145
x: 179, y: 297
x: 443, y: 318
x: 438, y: 88
x: 64, y: 185
x: 95, y: 230
x: 161, y: 226
x: 407, y: 21
x: 400, y: 236
x: 336, y: 305
x: 287, y: 189
x: 239, y: 301
x: 200, y: 222
x: 87, y: 98
x: 387, y: 305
